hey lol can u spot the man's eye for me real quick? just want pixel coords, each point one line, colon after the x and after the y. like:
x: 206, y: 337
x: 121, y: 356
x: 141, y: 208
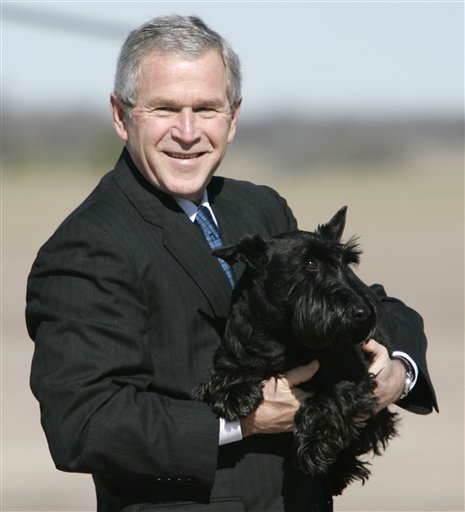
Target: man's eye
x: 312, y: 265
x: 164, y: 111
x: 206, y: 112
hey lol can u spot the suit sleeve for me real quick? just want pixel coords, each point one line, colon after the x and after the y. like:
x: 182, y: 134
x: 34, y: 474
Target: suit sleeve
x: 92, y: 373
x: 404, y: 330
x: 286, y: 217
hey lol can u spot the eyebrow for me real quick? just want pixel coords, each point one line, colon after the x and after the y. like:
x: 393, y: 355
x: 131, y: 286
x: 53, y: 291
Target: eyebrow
x: 209, y: 103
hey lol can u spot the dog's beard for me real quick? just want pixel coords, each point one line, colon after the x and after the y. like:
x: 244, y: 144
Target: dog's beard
x: 325, y: 327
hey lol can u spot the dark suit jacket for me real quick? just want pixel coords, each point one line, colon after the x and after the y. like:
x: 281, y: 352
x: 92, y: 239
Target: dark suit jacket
x: 126, y: 305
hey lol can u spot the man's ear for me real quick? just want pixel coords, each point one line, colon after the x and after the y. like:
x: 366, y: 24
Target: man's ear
x: 252, y: 250
x: 119, y: 116
x: 234, y: 118
x: 334, y: 228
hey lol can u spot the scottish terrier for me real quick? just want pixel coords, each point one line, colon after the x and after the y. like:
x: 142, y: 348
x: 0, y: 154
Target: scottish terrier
x: 298, y: 300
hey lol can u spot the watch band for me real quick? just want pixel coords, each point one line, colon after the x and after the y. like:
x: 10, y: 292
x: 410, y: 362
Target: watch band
x: 408, y: 377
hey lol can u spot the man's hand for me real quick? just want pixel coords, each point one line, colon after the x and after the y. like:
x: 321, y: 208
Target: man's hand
x: 390, y: 374
x: 281, y: 399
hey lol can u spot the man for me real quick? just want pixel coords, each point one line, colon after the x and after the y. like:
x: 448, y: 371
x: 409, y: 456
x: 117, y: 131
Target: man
x: 127, y: 305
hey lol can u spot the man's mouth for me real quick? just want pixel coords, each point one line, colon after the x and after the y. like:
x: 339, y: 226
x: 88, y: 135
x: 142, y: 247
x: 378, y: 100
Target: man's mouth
x: 183, y: 156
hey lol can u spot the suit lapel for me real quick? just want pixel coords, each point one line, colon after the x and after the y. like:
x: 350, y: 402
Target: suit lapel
x: 181, y: 237
x: 187, y: 244
x: 231, y: 233
x: 229, y: 213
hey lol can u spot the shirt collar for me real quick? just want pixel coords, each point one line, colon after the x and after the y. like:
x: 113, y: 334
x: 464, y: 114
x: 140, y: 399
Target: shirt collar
x: 191, y: 208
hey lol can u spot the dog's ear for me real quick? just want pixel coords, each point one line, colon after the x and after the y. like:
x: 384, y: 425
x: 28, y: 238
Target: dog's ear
x: 251, y: 249
x: 334, y: 228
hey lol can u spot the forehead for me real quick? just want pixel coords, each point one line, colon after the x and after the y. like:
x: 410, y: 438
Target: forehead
x: 171, y: 74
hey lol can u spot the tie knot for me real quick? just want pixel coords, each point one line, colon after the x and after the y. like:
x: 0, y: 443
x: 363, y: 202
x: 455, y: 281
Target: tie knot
x: 204, y: 212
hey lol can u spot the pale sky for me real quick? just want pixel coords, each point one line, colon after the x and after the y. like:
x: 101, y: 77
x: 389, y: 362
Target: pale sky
x: 385, y: 57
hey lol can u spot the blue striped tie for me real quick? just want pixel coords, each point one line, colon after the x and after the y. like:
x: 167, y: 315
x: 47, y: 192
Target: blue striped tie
x: 210, y: 231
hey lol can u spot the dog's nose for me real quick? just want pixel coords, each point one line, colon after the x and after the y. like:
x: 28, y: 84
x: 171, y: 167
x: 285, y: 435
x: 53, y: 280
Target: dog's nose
x: 359, y: 313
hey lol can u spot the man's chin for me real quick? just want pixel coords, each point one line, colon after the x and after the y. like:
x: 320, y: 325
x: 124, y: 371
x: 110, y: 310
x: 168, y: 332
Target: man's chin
x: 183, y: 182
x: 192, y: 191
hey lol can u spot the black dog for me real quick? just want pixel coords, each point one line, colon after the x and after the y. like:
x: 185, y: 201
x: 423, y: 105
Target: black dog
x: 299, y: 300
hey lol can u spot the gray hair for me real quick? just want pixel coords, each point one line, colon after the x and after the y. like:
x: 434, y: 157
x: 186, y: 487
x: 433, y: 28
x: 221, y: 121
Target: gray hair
x: 182, y: 35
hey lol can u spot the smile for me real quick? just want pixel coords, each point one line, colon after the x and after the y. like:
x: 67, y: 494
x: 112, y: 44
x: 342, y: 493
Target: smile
x: 183, y: 156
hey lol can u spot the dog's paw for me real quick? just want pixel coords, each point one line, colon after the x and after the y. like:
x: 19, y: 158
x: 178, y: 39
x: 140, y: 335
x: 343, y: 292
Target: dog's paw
x: 230, y: 399
x: 345, y: 471
x: 378, y: 431
x: 239, y: 400
x: 329, y: 423
x: 320, y: 434
x: 355, y: 401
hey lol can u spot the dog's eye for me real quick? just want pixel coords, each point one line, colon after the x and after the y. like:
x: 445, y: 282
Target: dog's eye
x: 312, y: 265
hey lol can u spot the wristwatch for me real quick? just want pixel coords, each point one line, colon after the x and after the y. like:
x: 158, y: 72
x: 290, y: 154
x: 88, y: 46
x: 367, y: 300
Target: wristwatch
x: 408, y: 378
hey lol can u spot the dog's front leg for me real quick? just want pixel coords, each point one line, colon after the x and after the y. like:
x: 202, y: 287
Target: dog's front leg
x: 327, y: 423
x: 319, y: 435
x: 231, y: 395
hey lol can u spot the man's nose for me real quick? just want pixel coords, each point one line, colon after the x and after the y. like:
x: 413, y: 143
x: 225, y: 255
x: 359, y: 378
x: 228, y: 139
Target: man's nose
x: 186, y: 128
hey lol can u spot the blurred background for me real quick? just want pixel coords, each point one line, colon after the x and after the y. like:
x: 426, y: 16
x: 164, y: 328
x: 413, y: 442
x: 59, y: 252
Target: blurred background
x: 345, y: 103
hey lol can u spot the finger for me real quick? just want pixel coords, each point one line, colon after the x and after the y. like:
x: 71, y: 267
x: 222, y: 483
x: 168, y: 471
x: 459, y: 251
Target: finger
x: 302, y: 373
x: 375, y: 349
x: 370, y: 345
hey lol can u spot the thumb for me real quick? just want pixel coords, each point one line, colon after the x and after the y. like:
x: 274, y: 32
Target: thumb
x: 374, y: 348
x: 302, y: 373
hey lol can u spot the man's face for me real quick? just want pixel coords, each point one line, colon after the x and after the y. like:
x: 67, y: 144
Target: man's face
x: 179, y: 129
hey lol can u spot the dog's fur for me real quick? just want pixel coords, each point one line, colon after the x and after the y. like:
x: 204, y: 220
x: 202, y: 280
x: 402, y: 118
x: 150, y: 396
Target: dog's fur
x: 299, y: 300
